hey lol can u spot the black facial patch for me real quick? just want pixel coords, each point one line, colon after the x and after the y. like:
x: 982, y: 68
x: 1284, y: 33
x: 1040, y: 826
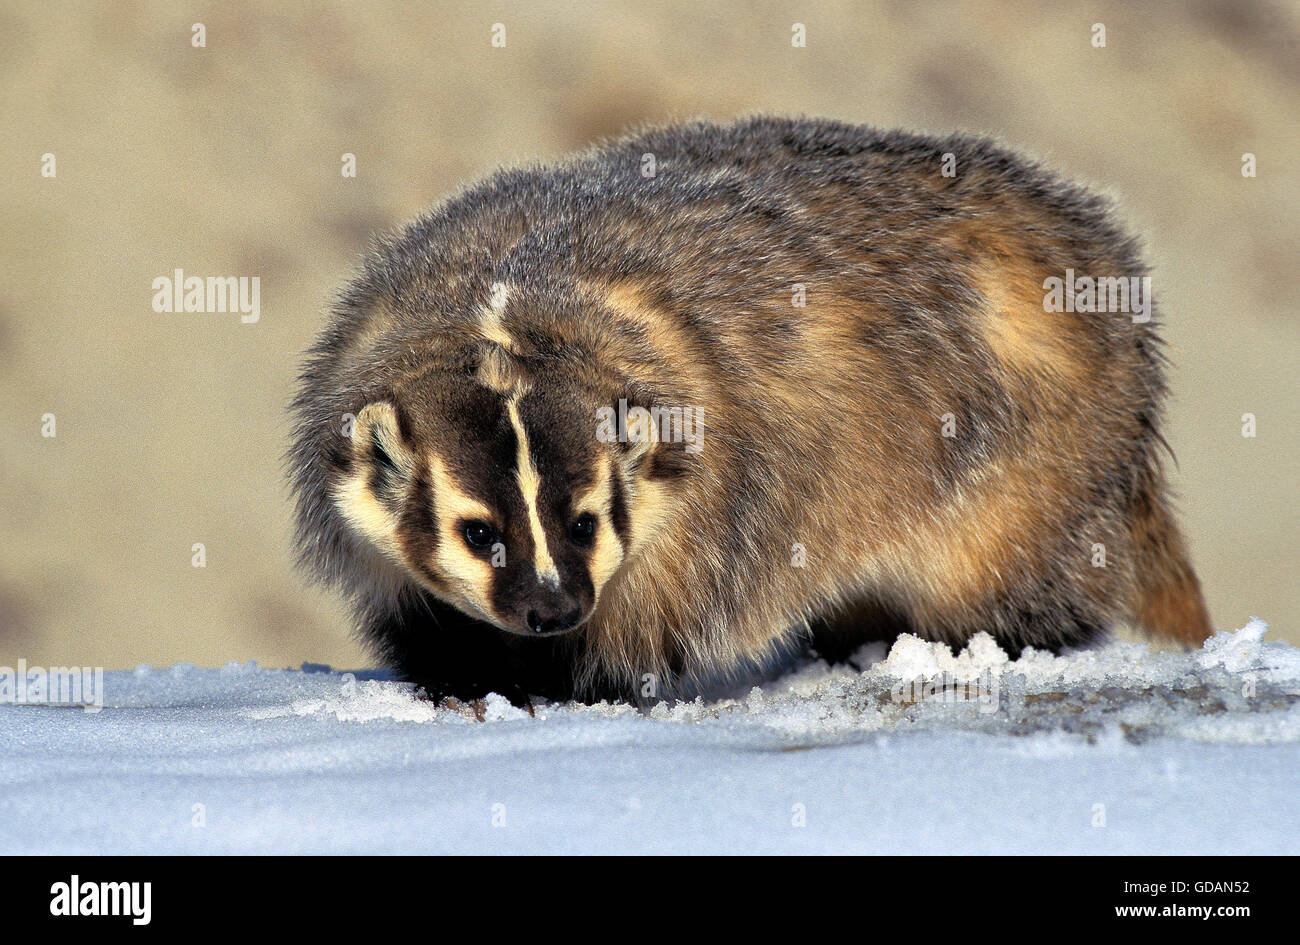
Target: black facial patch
x: 618, y: 515
x: 418, y: 526
x: 478, y: 445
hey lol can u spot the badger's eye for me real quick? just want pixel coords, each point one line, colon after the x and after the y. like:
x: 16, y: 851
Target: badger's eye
x: 583, y: 529
x: 479, y: 534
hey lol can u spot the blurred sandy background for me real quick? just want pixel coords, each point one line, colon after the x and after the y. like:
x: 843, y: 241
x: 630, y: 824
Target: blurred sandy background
x: 226, y: 161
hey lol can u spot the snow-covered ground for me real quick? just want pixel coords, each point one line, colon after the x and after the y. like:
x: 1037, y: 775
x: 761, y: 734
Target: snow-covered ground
x: 1110, y: 750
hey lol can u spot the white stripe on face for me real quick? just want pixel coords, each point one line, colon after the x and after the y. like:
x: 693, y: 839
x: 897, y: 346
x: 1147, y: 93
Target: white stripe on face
x: 529, y: 484
x: 489, y: 325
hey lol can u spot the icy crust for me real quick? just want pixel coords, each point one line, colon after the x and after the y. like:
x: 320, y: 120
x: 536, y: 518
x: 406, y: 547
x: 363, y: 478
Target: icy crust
x: 1237, y: 689
x: 1114, y: 750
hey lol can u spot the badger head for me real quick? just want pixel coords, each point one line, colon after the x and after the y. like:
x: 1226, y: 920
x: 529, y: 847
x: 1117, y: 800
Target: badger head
x: 512, y: 490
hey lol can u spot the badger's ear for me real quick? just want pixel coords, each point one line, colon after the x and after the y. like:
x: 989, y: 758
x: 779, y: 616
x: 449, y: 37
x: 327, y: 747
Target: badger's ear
x: 656, y: 442
x: 382, y: 464
x: 639, y: 432
x: 381, y: 449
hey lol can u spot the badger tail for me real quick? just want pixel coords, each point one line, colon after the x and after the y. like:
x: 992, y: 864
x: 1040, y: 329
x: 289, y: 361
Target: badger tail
x: 1167, y: 601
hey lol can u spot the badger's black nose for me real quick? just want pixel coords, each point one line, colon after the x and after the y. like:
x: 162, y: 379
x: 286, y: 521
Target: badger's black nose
x: 548, y: 621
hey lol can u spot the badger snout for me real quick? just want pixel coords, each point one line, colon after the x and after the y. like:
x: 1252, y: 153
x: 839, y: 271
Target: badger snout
x: 552, y: 615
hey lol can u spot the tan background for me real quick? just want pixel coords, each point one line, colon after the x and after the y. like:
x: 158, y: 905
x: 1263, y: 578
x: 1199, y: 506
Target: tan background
x: 225, y: 161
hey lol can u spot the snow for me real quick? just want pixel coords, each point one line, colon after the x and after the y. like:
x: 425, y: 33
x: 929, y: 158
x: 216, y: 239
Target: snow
x: 1116, y: 749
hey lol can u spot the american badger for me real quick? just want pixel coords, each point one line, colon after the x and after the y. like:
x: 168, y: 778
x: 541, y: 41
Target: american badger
x: 647, y: 416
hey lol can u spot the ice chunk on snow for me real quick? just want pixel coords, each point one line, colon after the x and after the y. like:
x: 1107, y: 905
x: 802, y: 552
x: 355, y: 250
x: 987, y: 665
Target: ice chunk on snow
x: 911, y: 657
x: 1245, y: 651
